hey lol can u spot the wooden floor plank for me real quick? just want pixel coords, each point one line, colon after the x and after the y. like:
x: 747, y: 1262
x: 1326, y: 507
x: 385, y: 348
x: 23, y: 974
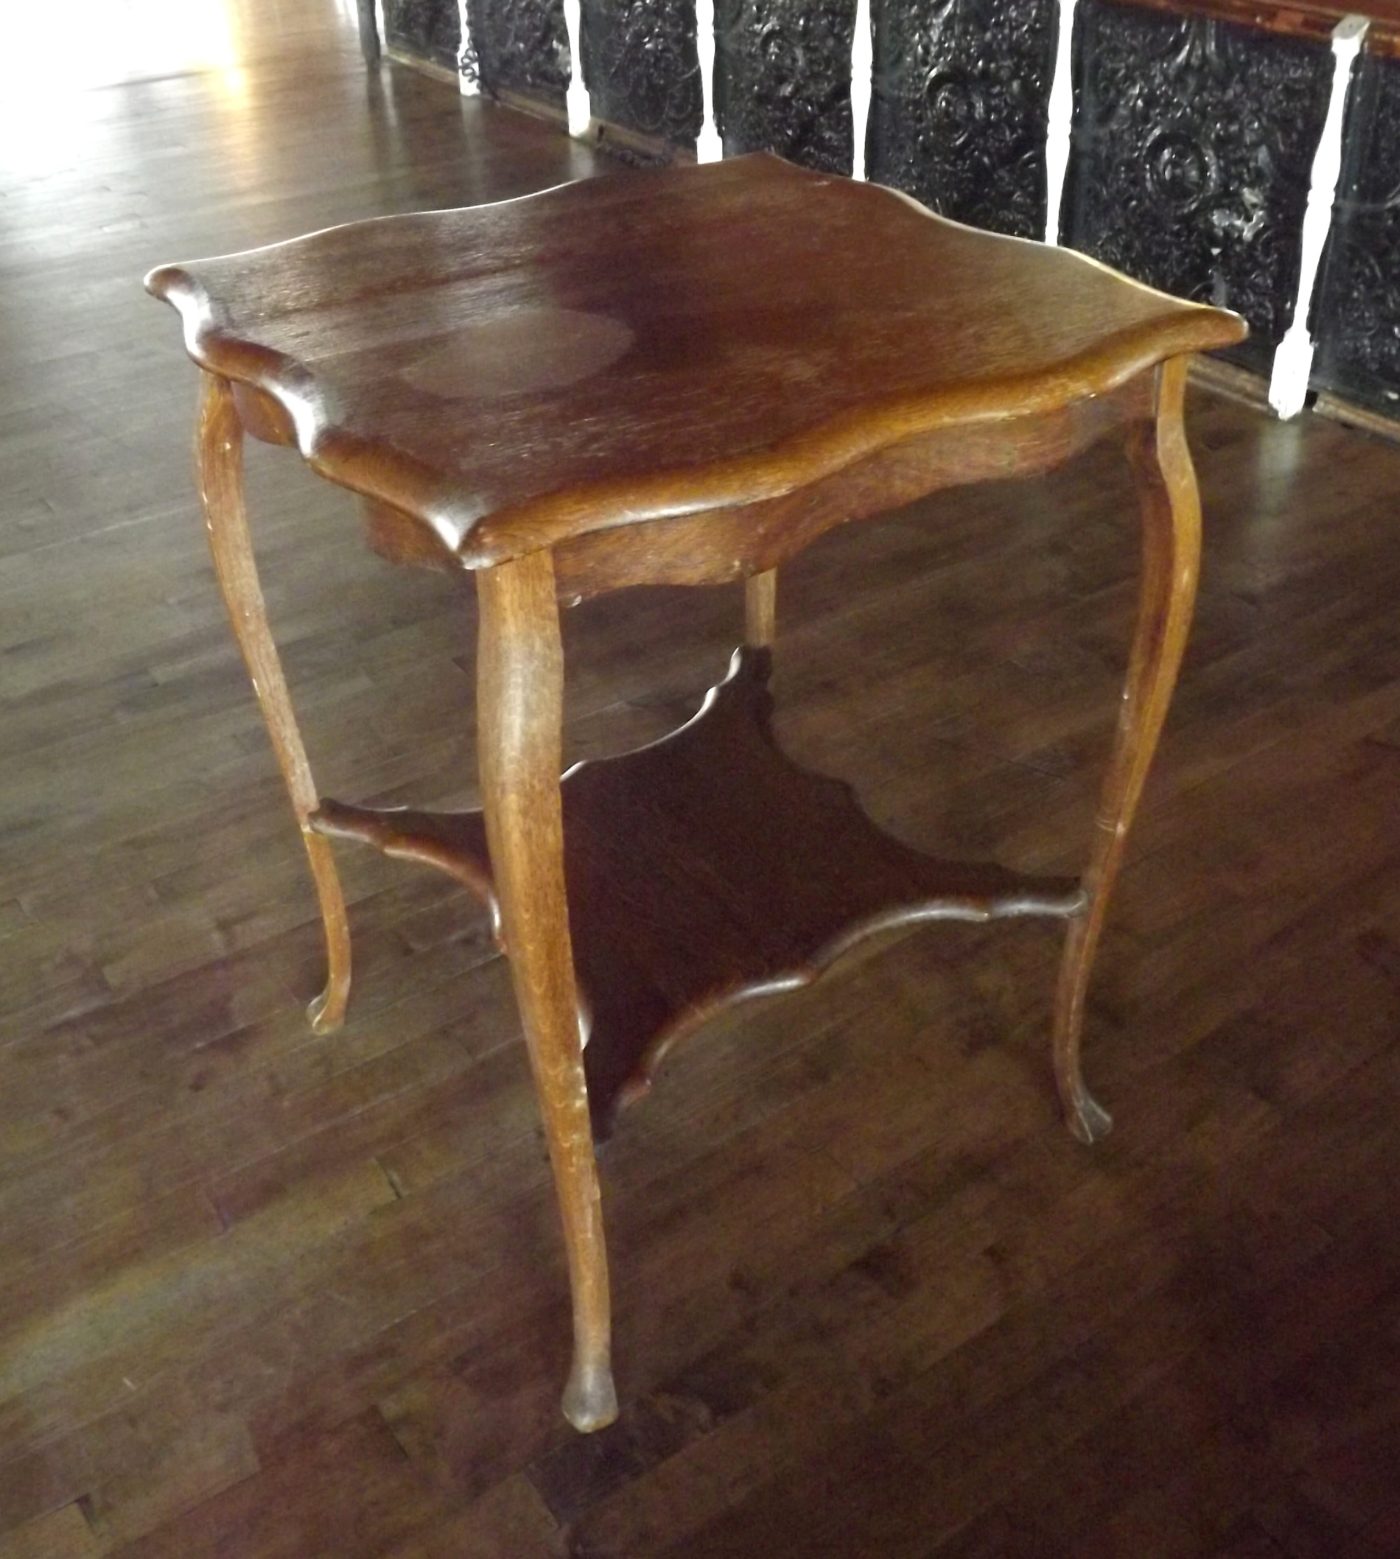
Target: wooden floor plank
x: 62, y: 1534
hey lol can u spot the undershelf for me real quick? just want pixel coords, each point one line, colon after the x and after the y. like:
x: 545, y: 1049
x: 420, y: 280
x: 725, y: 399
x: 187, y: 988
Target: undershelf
x: 705, y: 869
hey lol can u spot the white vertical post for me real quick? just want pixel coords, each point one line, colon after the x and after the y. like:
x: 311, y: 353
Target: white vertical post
x: 1288, y: 385
x: 709, y: 147
x: 1058, y: 122
x: 862, y: 69
x: 468, y: 86
x: 580, y: 110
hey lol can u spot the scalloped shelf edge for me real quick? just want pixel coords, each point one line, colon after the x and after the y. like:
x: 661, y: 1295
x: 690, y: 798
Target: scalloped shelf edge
x: 704, y: 870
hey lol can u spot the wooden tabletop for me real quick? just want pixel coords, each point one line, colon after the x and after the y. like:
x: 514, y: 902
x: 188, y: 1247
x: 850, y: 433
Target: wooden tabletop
x: 654, y: 343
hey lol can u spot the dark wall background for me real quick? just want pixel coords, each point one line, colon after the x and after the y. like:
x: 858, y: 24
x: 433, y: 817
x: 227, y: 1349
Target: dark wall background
x: 520, y: 46
x: 641, y: 68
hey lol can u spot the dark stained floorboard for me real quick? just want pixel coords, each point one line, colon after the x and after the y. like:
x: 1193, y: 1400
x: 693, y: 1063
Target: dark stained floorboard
x: 267, y: 1294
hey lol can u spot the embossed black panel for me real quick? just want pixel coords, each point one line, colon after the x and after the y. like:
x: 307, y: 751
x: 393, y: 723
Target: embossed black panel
x: 425, y: 29
x: 520, y: 46
x: 958, y: 116
x: 1358, y: 316
x: 1193, y: 148
x: 641, y: 68
x: 783, y: 79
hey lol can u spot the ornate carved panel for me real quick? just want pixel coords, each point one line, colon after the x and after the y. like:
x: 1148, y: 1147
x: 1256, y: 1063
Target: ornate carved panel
x: 958, y: 111
x: 641, y: 68
x: 425, y: 29
x: 520, y: 46
x: 1358, y: 317
x: 1193, y: 148
x: 783, y: 79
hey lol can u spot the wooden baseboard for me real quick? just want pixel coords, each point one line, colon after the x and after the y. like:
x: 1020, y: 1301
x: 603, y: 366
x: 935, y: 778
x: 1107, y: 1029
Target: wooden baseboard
x: 1252, y: 389
x: 602, y: 133
x: 416, y: 62
x: 536, y: 107
x: 1358, y: 417
x: 618, y: 139
x: 1240, y: 384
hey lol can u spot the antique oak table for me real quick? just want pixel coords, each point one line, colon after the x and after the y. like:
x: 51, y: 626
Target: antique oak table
x: 680, y: 376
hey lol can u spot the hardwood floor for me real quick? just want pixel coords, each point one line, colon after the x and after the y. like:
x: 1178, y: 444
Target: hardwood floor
x: 268, y: 1294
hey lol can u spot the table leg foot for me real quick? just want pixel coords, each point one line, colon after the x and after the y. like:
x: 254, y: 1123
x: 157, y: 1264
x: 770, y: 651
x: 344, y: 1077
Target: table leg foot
x: 590, y: 1398
x: 1088, y: 1121
x: 327, y: 1011
x: 1171, y: 548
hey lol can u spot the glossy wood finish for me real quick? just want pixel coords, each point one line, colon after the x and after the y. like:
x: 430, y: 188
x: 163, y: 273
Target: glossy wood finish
x: 1171, y: 550
x: 219, y: 461
x: 269, y: 1295
x: 686, y: 375
x: 520, y: 691
x: 704, y: 870
x: 517, y: 376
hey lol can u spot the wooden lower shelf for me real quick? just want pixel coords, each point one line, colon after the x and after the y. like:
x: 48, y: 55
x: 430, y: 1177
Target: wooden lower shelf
x: 704, y: 869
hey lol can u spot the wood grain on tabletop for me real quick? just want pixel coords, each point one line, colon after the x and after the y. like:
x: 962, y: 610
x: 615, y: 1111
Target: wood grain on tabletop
x: 658, y: 342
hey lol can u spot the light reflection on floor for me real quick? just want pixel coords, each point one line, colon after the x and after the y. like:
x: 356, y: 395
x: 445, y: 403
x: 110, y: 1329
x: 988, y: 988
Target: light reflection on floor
x: 55, y: 67
x: 52, y: 68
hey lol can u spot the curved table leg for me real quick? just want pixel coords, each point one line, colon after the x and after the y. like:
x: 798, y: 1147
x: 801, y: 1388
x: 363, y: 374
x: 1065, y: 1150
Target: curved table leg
x: 1171, y: 545
x: 520, y: 675
x: 219, y: 457
x: 761, y: 609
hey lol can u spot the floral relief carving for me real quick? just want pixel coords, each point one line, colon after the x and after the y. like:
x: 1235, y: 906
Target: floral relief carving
x: 783, y: 79
x: 959, y: 105
x: 518, y: 46
x: 1192, y: 153
x: 641, y: 67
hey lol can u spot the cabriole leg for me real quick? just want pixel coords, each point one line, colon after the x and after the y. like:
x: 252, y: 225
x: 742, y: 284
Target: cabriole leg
x: 520, y: 676
x: 1171, y: 545
x: 219, y: 459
